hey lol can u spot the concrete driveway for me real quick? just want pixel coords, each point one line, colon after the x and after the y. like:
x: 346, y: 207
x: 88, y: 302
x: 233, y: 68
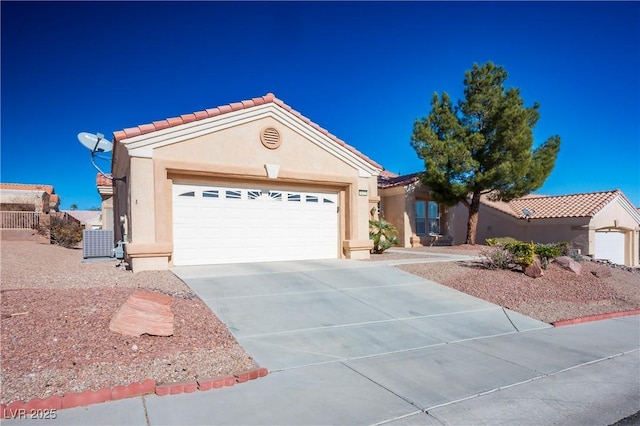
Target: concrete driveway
x: 357, y: 343
x: 364, y: 343
x: 294, y: 314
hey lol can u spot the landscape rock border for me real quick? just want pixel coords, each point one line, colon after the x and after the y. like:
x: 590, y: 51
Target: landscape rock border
x: 81, y: 399
x: 596, y: 317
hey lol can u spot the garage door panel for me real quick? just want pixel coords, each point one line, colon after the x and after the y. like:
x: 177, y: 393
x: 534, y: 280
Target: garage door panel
x: 610, y: 246
x: 252, y: 225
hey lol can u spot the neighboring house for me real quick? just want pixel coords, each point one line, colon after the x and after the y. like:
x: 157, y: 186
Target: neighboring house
x: 88, y: 219
x: 407, y: 204
x: 25, y: 208
x: 604, y: 225
x: 245, y: 182
x: 26, y: 197
x: 104, y: 184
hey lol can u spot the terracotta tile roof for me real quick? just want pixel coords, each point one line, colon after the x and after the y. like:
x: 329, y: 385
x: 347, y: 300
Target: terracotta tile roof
x: 543, y: 206
x: 84, y: 216
x: 102, y: 180
x: 27, y: 187
x: 390, y: 180
x: 223, y: 109
x: 387, y: 174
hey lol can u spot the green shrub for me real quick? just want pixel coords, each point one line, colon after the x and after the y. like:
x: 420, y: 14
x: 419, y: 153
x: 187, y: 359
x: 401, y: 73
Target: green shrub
x: 500, y: 241
x: 65, y: 233
x: 497, y: 258
x: 383, y: 234
x: 575, y: 255
x: 564, y: 248
x: 523, y: 253
x: 546, y: 252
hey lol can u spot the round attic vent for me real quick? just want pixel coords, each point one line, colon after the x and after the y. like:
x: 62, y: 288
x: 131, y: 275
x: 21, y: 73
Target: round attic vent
x: 270, y: 137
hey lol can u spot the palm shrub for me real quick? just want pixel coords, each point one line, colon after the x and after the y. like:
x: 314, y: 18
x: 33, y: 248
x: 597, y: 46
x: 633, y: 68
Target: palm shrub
x: 383, y: 234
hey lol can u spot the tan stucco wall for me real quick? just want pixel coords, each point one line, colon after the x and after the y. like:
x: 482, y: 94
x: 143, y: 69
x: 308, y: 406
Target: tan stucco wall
x: 235, y: 156
x: 39, y: 199
x: 394, y: 205
x: 616, y: 216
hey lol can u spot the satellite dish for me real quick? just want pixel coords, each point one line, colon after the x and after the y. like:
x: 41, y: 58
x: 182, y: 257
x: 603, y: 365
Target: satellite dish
x: 96, y: 143
x: 528, y: 213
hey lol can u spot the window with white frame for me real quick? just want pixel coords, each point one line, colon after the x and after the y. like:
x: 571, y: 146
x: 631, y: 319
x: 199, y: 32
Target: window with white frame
x: 427, y: 217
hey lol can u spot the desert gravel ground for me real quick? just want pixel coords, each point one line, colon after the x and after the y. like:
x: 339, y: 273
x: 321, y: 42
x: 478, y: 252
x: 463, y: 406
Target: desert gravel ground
x: 55, y: 313
x: 558, y: 295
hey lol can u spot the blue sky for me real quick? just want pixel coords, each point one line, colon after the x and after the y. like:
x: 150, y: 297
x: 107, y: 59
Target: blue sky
x: 364, y: 71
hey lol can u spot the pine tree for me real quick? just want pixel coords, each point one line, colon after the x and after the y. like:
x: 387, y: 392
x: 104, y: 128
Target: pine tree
x: 483, y: 145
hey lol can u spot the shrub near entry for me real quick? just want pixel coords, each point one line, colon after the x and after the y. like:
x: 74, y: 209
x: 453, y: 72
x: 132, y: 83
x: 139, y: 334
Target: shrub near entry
x: 497, y: 258
x: 499, y: 242
x: 506, y: 252
x: 383, y: 234
x: 523, y: 253
x: 547, y: 252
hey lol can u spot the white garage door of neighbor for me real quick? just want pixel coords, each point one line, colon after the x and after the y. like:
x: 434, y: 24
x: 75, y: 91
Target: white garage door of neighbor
x: 610, y: 245
x: 213, y: 224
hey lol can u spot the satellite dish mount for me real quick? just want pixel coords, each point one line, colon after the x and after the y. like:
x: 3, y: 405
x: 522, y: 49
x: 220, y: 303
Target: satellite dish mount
x: 98, y: 144
x: 528, y: 213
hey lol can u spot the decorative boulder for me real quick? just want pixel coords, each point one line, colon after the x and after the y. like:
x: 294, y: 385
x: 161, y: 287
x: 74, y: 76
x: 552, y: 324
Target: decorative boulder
x: 144, y: 313
x: 534, y: 270
x: 569, y: 264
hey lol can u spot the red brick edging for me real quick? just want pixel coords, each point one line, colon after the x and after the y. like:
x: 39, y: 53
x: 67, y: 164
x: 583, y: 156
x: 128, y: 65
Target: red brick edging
x: 595, y: 318
x: 39, y: 407
x: 207, y: 384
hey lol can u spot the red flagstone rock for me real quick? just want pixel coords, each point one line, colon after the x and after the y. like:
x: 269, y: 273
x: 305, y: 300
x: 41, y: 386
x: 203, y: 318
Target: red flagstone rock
x: 534, y: 270
x: 144, y: 313
x: 569, y: 264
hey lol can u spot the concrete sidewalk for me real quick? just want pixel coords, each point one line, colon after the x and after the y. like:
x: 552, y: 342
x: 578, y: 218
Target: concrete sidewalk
x: 363, y: 343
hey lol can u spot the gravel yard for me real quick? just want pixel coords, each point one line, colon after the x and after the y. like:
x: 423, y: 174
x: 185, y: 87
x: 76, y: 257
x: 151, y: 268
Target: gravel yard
x: 558, y: 295
x: 55, y: 313
x: 56, y: 309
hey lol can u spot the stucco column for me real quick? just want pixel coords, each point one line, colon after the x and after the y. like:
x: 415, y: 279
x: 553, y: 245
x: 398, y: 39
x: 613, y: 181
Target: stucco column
x: 143, y: 250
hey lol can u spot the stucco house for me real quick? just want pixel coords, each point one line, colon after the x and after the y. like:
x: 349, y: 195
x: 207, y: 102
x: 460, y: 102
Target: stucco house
x: 88, y: 219
x: 28, y: 197
x: 244, y: 182
x: 604, y: 225
x: 407, y: 204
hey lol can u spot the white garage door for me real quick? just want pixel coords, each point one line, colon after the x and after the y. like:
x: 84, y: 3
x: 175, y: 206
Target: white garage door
x: 610, y: 246
x: 213, y: 224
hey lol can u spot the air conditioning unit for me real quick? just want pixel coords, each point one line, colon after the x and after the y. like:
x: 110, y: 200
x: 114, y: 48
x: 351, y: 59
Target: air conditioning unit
x: 97, y: 243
